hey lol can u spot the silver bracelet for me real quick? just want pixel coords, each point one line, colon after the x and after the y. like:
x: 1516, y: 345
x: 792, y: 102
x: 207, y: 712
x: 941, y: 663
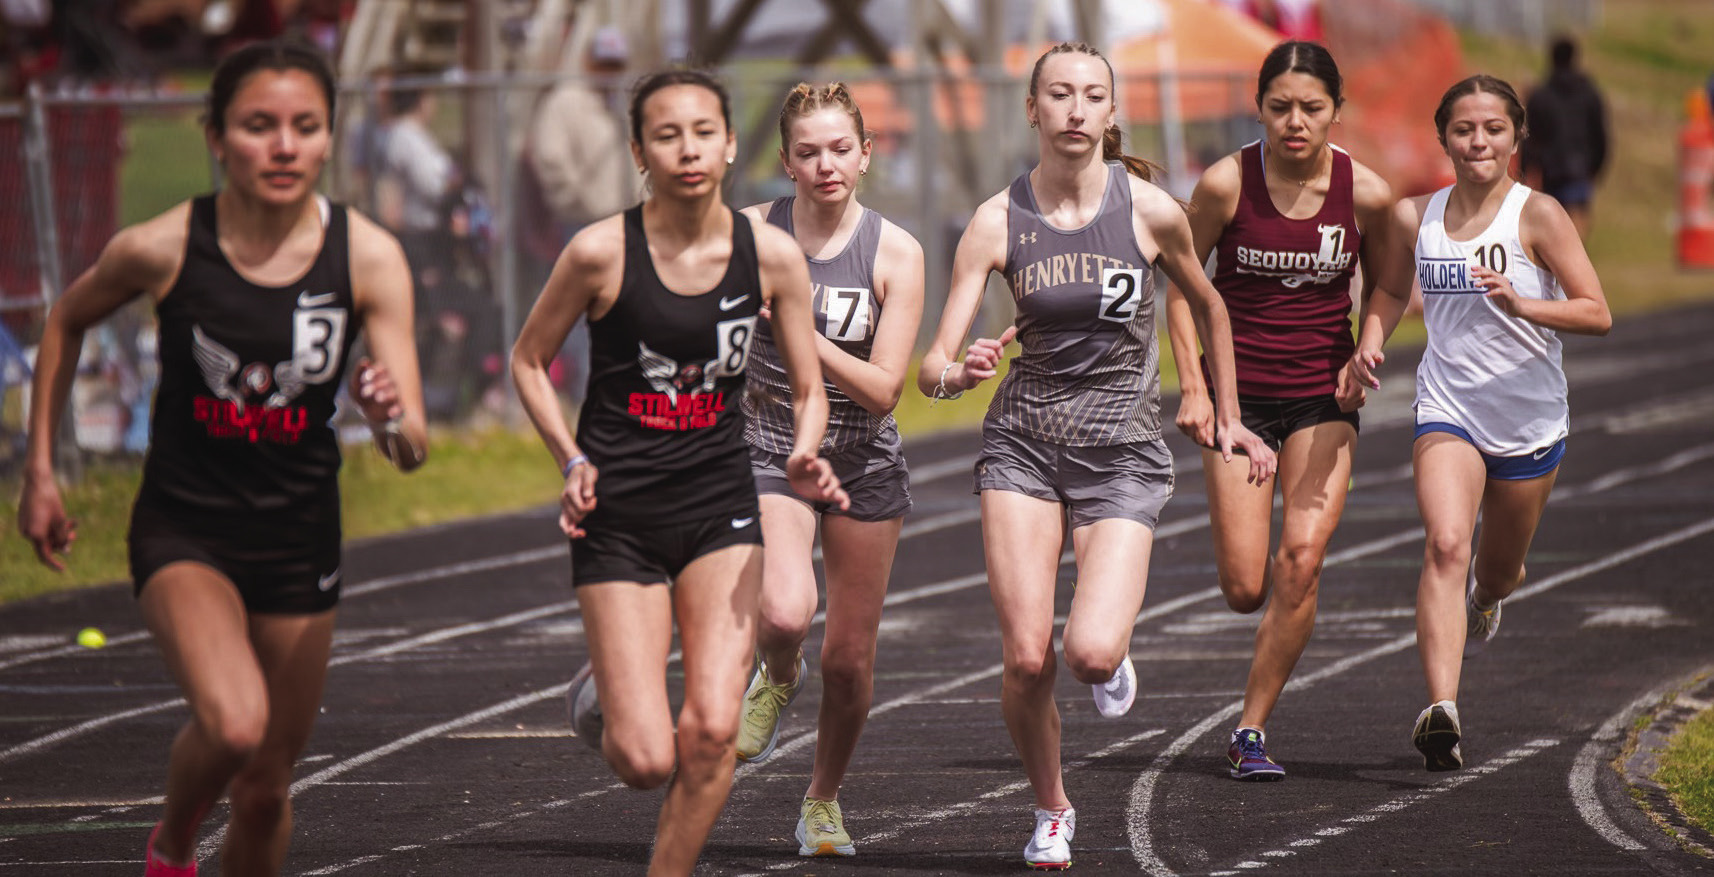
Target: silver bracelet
x: 940, y: 388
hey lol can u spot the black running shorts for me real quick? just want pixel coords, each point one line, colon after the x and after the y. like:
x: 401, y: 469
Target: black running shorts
x: 655, y: 555
x: 278, y: 568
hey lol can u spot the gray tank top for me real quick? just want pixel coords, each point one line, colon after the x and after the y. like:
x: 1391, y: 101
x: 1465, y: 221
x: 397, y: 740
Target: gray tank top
x: 1089, y: 373
x: 846, y: 312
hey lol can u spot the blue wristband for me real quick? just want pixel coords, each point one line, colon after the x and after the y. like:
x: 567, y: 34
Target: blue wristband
x: 571, y: 464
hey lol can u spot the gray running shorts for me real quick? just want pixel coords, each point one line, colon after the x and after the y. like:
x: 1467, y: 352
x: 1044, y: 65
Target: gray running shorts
x: 1130, y: 481
x: 873, y: 475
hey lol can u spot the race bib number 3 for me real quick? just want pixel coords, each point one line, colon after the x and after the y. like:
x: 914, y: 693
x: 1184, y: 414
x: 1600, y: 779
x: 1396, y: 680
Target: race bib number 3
x: 1121, y: 294
x: 849, y: 313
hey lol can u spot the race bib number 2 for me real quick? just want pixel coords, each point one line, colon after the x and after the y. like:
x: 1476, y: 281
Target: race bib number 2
x: 1121, y: 294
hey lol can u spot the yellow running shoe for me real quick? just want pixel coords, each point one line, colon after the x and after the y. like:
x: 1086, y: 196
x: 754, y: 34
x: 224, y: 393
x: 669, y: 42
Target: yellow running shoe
x: 821, y: 830
x: 759, y: 730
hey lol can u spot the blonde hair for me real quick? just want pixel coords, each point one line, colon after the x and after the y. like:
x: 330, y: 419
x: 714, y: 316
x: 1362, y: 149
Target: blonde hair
x: 1112, y: 139
x: 807, y: 100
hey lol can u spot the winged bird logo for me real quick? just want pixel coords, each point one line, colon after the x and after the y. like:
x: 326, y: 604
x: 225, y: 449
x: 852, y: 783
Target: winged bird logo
x: 667, y: 376
x: 219, y: 366
x: 221, y: 372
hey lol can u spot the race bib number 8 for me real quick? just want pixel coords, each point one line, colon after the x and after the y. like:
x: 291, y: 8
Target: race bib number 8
x: 734, y: 338
x: 1121, y: 293
x: 849, y: 312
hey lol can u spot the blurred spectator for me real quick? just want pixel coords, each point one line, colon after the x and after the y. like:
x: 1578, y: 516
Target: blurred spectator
x: 1566, y: 149
x: 577, y: 169
x: 578, y: 154
x: 416, y: 172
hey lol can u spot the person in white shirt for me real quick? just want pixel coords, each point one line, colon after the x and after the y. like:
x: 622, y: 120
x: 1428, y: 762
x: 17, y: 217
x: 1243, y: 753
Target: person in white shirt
x: 1502, y: 270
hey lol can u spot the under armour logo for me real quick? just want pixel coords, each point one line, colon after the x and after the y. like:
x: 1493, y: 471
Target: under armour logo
x: 1026, y: 237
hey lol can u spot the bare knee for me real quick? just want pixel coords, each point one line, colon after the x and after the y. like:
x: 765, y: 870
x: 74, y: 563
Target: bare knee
x: 704, y: 742
x: 785, y: 619
x: 641, y: 761
x: 1244, y: 593
x: 1447, y: 551
x: 1025, y: 673
x: 845, y: 671
x: 234, y: 731
x: 1298, y: 570
x: 1091, y: 665
x: 260, y: 794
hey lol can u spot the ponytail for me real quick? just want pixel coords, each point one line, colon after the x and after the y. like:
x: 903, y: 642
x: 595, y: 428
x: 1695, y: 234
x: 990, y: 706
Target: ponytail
x: 1113, y: 149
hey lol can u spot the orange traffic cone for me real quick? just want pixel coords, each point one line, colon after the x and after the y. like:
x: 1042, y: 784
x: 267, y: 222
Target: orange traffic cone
x: 1695, y: 180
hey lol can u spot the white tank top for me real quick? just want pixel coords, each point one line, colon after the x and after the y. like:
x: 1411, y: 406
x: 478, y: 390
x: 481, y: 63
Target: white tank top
x: 1496, y: 376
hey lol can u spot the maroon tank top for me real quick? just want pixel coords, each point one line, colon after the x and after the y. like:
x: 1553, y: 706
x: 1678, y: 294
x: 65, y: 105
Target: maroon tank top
x: 1287, y: 285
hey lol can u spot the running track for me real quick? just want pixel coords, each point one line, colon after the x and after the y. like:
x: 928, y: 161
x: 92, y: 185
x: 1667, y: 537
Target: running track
x: 443, y: 747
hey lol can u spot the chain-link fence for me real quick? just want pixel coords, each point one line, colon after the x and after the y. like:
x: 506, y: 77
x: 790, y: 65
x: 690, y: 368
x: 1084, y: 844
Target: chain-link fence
x: 76, y: 167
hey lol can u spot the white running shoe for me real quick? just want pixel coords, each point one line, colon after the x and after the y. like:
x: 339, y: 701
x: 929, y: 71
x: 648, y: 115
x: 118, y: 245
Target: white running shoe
x: 1483, y: 623
x: 584, y: 705
x: 1114, y: 697
x: 1050, y: 847
x: 1436, y: 736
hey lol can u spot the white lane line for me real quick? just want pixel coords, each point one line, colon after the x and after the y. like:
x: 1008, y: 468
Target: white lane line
x: 1387, y: 808
x: 1142, y: 789
x: 1590, y: 760
x: 437, y: 636
x: 963, y: 807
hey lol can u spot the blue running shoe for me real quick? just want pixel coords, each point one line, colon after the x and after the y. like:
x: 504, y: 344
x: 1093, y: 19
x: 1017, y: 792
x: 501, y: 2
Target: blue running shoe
x: 1250, y: 759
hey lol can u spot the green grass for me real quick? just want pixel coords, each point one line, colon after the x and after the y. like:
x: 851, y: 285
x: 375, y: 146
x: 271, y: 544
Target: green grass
x: 1687, y: 769
x: 1646, y: 56
x: 468, y: 473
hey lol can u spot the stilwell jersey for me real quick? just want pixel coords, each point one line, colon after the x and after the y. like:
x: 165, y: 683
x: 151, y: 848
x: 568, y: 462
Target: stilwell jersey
x: 248, y: 379
x: 662, y: 421
x: 1089, y: 372
x: 1287, y: 284
x: 846, y: 313
x: 1498, y: 377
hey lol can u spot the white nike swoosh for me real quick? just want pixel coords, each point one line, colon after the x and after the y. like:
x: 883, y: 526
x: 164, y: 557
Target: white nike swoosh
x: 741, y: 523
x: 1541, y: 453
x: 328, y: 581
x: 727, y: 304
x: 305, y: 300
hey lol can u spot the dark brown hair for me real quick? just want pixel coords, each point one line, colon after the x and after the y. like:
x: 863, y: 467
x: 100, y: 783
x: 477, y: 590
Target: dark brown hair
x: 1301, y: 56
x: 276, y: 55
x: 1112, y: 140
x: 1481, y: 83
x: 653, y: 82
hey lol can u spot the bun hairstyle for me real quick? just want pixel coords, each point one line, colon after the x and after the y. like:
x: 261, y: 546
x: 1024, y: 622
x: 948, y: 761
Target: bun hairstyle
x: 1112, y: 140
x: 276, y: 55
x: 807, y: 100
x: 653, y: 82
x: 1481, y: 83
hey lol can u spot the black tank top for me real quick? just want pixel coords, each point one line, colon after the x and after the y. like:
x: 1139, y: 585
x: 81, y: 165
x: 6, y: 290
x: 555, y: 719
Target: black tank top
x: 663, y: 421
x: 248, y: 379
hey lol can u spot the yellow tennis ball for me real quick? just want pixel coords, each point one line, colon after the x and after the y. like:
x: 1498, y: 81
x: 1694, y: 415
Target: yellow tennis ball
x: 91, y: 638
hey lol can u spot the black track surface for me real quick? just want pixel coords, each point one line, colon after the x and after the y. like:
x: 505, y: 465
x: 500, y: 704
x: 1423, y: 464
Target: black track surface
x: 444, y: 749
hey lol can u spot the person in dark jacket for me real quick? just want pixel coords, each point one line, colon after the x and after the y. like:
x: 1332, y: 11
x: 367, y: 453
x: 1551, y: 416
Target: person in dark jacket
x: 1567, y: 145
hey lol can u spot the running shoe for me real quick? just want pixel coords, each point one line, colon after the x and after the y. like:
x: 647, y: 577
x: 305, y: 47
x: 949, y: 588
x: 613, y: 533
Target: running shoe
x: 1249, y: 757
x: 155, y: 866
x: 1050, y: 846
x: 1484, y: 623
x: 821, y: 830
x: 1436, y: 737
x: 1114, y: 697
x: 764, y: 702
x: 584, y: 705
